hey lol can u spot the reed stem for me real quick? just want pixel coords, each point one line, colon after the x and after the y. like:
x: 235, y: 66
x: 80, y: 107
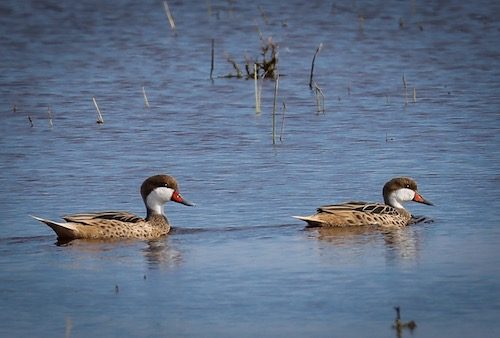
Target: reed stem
x: 100, y: 119
x: 146, y: 101
x: 212, y: 61
x: 257, y: 89
x: 276, y: 86
x: 49, y: 112
x: 169, y: 16
x: 405, y: 90
x: 283, y: 122
x: 320, y: 98
x: 312, y: 65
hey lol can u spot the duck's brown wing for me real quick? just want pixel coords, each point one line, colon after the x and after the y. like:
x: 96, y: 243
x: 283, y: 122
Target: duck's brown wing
x: 371, y: 208
x: 122, y: 216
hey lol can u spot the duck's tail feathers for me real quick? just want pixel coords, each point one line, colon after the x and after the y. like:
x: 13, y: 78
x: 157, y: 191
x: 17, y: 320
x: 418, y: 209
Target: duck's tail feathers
x: 312, y: 221
x: 63, y: 230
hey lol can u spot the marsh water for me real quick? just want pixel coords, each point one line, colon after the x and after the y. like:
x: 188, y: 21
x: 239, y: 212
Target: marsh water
x: 411, y: 88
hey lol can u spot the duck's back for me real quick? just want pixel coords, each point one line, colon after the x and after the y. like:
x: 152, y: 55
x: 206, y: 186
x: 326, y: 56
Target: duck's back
x: 109, y: 225
x: 357, y: 213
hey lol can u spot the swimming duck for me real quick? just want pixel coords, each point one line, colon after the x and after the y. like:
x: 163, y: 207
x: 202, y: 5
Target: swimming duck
x: 155, y: 191
x: 391, y: 214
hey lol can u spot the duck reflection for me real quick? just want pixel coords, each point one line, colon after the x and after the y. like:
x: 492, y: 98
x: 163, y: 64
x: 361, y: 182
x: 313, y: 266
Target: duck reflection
x: 158, y: 253
x: 400, y: 243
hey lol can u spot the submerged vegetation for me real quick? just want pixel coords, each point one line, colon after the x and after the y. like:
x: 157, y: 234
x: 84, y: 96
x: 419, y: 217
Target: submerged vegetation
x: 264, y: 67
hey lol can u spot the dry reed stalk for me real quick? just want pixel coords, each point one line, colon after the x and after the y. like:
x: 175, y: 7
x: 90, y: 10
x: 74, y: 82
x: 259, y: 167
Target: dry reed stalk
x: 49, y: 112
x: 283, y: 122
x: 414, y: 95
x: 312, y: 65
x: 146, y: 101
x: 405, y: 89
x: 100, y: 120
x: 257, y: 89
x: 169, y: 16
x: 31, y: 121
x: 276, y: 86
x: 212, y: 62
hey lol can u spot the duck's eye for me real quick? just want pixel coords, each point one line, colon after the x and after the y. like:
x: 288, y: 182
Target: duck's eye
x: 408, y: 186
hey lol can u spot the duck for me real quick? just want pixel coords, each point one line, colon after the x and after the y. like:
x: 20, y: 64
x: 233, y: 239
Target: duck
x: 155, y: 191
x: 392, y: 213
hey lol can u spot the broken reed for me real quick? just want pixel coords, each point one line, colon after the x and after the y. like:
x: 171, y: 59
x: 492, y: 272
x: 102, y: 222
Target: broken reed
x: 169, y: 16
x: 312, y: 65
x: 258, y: 90
x: 146, y: 101
x: 100, y: 119
x: 320, y: 97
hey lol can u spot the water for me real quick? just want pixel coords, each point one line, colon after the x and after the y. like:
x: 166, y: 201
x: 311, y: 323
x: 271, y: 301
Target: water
x: 238, y: 264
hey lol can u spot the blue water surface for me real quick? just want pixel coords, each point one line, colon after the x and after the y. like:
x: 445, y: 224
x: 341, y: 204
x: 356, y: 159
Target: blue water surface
x: 411, y: 88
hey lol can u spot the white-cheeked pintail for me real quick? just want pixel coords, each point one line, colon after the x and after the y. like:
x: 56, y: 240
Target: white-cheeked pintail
x: 391, y: 214
x: 155, y: 191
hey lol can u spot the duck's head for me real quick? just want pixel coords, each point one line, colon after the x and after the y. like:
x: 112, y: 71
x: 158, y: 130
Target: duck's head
x: 400, y: 190
x: 158, y: 190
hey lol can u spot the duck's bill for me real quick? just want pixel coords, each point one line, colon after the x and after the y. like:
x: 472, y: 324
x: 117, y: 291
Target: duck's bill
x: 420, y: 199
x: 176, y: 197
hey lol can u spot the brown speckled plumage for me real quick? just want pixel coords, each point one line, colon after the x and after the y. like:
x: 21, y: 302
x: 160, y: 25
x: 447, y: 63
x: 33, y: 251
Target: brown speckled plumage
x: 122, y: 224
x: 362, y: 213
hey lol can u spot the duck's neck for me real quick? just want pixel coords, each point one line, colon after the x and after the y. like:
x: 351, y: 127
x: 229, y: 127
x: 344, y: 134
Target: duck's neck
x: 154, y: 203
x: 394, y: 202
x: 156, y: 219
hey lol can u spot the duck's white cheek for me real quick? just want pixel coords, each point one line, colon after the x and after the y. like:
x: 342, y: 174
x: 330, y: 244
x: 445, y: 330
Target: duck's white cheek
x: 405, y: 194
x: 158, y: 197
x: 164, y: 194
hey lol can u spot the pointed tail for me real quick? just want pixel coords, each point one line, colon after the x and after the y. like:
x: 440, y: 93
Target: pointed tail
x: 312, y: 221
x: 62, y: 230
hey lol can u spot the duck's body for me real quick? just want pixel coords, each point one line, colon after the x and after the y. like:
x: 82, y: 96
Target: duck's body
x: 391, y: 214
x: 155, y: 191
